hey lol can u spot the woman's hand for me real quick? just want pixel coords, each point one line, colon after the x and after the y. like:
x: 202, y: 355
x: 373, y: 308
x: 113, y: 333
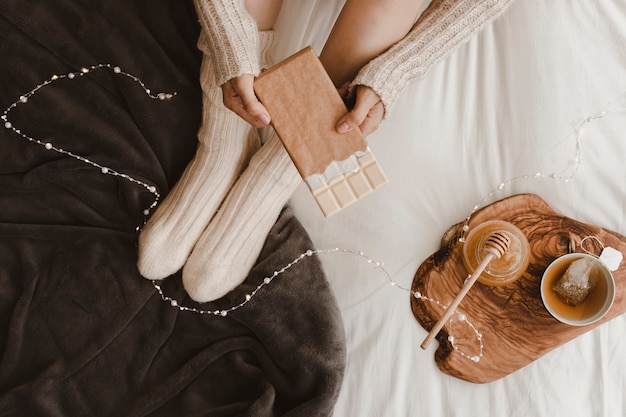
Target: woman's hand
x: 238, y: 95
x: 366, y: 115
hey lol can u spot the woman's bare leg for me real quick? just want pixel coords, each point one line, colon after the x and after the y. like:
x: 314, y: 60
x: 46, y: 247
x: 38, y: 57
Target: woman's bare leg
x: 265, y: 12
x: 364, y: 30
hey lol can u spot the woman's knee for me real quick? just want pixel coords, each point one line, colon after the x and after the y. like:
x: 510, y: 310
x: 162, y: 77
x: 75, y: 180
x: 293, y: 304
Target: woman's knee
x: 264, y: 12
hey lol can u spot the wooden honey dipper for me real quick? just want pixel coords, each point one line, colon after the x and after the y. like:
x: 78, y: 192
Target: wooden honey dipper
x: 495, y: 246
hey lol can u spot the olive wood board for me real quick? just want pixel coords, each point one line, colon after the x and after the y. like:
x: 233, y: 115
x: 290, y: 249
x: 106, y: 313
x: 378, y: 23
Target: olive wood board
x: 516, y: 328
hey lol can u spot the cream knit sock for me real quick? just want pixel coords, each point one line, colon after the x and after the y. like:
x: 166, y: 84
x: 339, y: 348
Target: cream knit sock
x: 231, y: 243
x: 226, y: 143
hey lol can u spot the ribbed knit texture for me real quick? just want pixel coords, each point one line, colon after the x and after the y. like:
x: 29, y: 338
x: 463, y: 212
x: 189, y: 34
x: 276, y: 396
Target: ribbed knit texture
x: 226, y: 143
x: 443, y: 26
x: 231, y: 243
x: 228, y: 247
x: 232, y: 36
x: 266, y: 42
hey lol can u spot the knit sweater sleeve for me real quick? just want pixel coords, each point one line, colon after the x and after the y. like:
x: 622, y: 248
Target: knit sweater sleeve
x: 442, y: 27
x: 232, y: 37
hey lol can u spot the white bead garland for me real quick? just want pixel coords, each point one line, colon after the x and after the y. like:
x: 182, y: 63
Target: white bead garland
x: 375, y: 264
x: 23, y: 99
x: 578, y: 131
x: 248, y: 297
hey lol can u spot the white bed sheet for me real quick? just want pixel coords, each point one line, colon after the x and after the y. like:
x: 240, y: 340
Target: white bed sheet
x: 505, y: 104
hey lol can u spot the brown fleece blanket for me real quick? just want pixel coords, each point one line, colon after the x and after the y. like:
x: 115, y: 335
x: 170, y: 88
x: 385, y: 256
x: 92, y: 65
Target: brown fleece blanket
x: 81, y: 333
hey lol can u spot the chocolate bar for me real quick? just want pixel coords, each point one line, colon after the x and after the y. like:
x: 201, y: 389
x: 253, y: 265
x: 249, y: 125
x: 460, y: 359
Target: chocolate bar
x: 339, y: 168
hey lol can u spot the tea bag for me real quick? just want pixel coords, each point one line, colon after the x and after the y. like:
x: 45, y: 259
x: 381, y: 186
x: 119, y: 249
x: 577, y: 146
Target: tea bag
x: 577, y: 281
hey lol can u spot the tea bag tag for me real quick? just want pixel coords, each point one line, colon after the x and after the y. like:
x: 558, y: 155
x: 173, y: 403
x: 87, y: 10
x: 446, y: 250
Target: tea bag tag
x: 611, y: 258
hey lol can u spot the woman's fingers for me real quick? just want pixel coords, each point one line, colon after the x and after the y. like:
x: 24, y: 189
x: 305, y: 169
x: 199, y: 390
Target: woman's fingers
x: 238, y: 95
x: 373, y: 119
x: 366, y: 115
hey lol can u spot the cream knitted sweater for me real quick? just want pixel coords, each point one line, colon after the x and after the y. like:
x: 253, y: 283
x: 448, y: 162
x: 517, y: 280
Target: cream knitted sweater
x: 443, y: 26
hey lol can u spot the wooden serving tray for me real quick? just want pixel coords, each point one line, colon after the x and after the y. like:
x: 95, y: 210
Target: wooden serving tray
x: 515, y: 326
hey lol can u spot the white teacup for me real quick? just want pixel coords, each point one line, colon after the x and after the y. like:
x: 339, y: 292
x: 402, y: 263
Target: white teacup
x: 595, y: 306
